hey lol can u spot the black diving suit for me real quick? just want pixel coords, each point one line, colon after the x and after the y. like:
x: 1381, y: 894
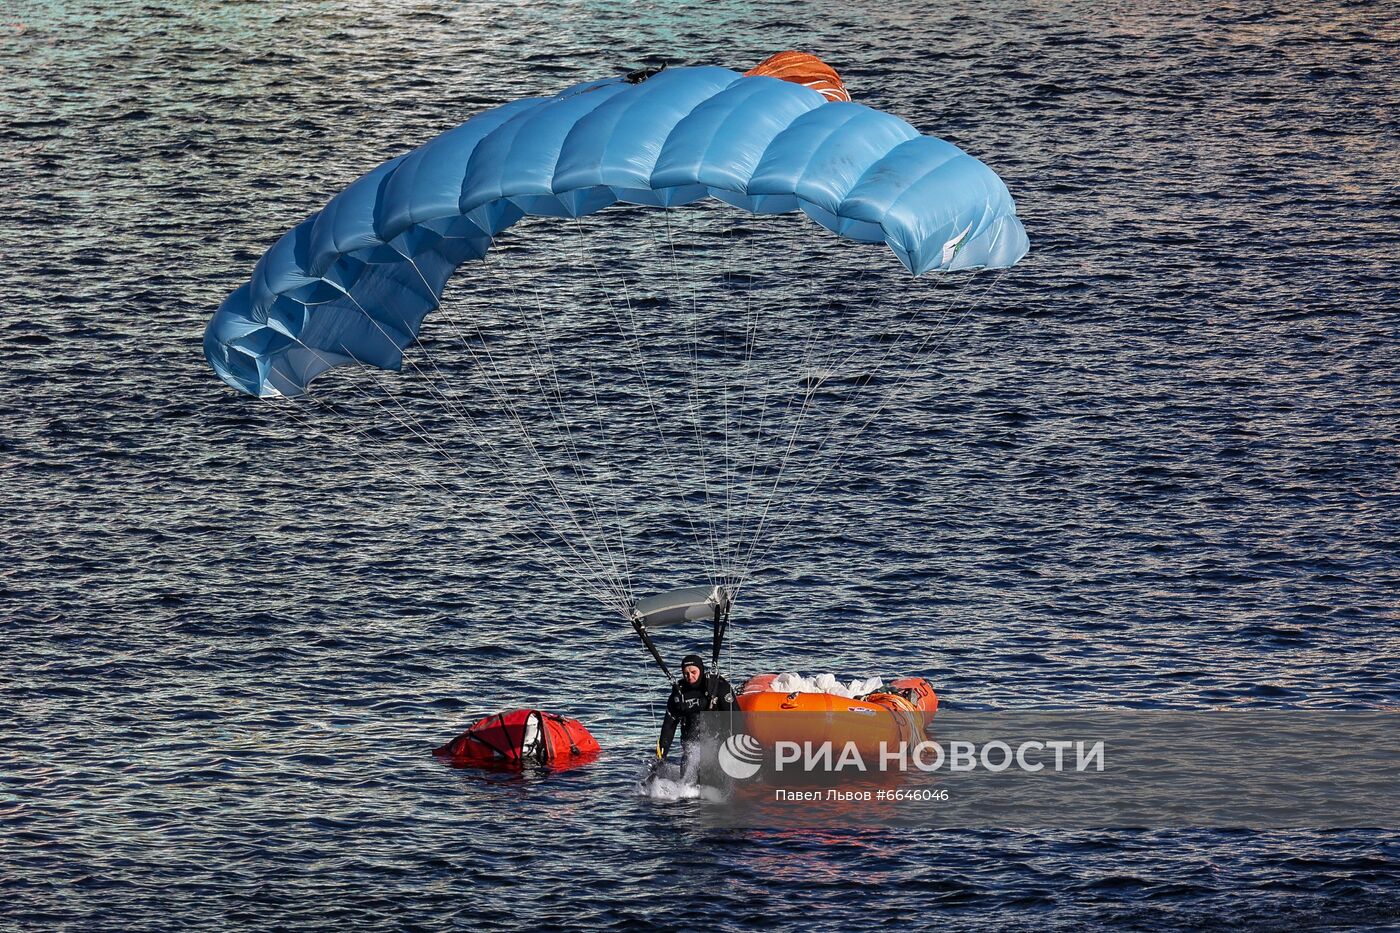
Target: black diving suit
x: 687, y: 704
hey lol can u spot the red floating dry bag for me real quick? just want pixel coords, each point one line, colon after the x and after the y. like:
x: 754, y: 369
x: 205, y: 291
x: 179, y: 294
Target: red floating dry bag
x: 519, y: 738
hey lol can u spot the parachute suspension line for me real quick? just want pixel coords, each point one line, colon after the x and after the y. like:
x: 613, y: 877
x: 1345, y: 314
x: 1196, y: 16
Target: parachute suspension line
x: 555, y: 389
x: 633, y: 343
x: 752, y: 335
x: 617, y: 511
x: 719, y: 387
x: 695, y: 401
x: 730, y: 408
x: 810, y: 391
x: 753, y: 498
x: 576, y: 461
x: 570, y: 444
x: 854, y: 404
x: 575, y: 574
x: 727, y: 569
x: 766, y: 397
x: 447, y: 497
x: 481, y: 440
x: 775, y: 493
x: 728, y: 454
x: 671, y: 457
x: 501, y: 395
x: 674, y: 451
x: 843, y: 524
x: 732, y: 411
x: 885, y: 402
x: 421, y: 430
x: 756, y: 442
x: 851, y: 406
x: 745, y: 367
x: 811, y: 386
x: 412, y: 424
x: 702, y: 449
x: 576, y: 570
x: 481, y: 436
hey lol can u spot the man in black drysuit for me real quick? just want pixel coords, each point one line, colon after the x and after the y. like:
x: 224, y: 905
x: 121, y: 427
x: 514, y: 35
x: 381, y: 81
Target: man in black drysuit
x: 694, y: 694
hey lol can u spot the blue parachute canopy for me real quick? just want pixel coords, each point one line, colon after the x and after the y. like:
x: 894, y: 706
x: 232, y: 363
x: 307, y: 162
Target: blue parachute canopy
x: 353, y: 282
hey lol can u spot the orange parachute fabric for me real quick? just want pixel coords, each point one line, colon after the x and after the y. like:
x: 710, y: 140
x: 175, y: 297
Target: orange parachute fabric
x: 806, y: 70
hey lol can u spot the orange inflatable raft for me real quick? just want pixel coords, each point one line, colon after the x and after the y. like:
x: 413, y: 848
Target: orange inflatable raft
x: 898, y: 712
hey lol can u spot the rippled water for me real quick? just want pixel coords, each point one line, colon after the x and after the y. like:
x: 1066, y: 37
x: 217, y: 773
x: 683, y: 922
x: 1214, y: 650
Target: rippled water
x: 1156, y: 468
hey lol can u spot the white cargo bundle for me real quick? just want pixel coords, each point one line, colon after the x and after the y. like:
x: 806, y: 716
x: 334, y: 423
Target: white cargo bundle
x: 824, y: 683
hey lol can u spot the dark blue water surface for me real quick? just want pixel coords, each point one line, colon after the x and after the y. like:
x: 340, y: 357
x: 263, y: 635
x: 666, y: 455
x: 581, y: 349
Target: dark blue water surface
x: 1154, y: 466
